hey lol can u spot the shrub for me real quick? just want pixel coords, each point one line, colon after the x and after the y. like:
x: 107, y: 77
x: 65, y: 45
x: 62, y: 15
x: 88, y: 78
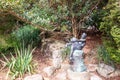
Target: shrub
x: 27, y: 35
x: 7, y: 23
x: 21, y: 63
x: 113, y: 49
x: 111, y: 29
x: 5, y: 47
x: 104, y: 56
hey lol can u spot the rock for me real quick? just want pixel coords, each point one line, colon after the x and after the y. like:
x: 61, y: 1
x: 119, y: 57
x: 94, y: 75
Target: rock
x: 57, y: 54
x: 57, y: 45
x: 78, y: 75
x: 18, y: 79
x: 49, y: 70
x: 65, y: 67
x: 95, y: 77
x: 1, y: 78
x: 62, y: 76
x: 116, y: 73
x: 46, y: 78
x: 107, y: 71
x: 92, y: 67
x: 34, y: 77
x: 57, y: 58
x: 57, y: 63
x: 104, y: 70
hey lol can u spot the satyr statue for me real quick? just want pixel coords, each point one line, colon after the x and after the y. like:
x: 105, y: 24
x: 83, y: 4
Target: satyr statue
x: 76, y: 54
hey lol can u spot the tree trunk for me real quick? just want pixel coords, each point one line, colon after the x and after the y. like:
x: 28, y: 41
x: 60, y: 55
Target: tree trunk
x: 75, y: 28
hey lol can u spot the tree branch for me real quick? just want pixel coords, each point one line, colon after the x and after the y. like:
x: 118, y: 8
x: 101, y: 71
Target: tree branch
x: 93, y: 8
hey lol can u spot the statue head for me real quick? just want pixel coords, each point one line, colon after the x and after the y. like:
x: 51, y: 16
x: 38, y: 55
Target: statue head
x: 83, y: 36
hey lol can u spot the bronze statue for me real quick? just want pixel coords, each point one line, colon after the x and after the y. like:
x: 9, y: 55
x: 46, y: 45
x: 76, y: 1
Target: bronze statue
x: 76, y: 52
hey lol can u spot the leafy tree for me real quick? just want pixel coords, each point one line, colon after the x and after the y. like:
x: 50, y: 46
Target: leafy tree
x: 75, y: 12
x: 52, y: 12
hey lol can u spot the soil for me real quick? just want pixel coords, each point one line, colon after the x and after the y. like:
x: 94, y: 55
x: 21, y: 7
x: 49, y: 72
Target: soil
x: 44, y: 60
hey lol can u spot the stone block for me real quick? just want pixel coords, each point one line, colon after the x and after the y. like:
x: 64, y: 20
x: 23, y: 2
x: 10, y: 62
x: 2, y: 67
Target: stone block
x: 78, y: 75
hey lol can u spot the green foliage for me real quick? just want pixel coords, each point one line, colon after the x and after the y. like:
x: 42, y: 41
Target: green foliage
x: 49, y: 13
x: 7, y: 23
x: 30, y: 11
x: 39, y: 16
x: 111, y: 48
x: 95, y: 18
x: 69, y: 9
x: 104, y: 56
x: 5, y: 46
x: 21, y: 63
x: 27, y: 35
x: 112, y: 17
x: 111, y: 29
x: 115, y: 32
x: 66, y: 52
x: 2, y: 43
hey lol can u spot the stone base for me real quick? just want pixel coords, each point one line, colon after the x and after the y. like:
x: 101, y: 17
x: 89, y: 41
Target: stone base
x: 107, y: 71
x: 95, y: 77
x: 34, y: 77
x: 78, y: 75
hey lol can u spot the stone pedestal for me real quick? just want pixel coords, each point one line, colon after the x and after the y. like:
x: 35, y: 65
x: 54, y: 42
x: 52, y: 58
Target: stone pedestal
x: 78, y: 75
x: 78, y: 62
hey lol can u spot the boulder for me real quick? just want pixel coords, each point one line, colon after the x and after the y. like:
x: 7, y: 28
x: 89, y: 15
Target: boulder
x: 107, y: 71
x: 57, y: 63
x: 65, y: 67
x: 34, y: 77
x: 49, y: 70
x: 78, y: 75
x: 57, y: 58
x: 57, y: 45
x: 61, y: 76
x: 116, y: 73
x: 18, y: 79
x: 57, y: 54
x: 92, y: 67
x: 46, y: 78
x: 95, y: 77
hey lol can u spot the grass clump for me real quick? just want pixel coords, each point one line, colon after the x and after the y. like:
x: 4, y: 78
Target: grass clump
x: 21, y: 63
